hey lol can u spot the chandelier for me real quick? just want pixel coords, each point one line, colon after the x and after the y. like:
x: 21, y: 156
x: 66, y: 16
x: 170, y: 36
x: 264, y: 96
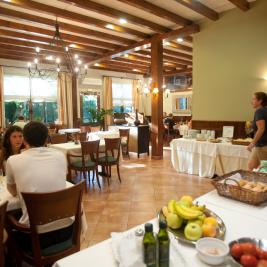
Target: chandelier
x: 61, y: 58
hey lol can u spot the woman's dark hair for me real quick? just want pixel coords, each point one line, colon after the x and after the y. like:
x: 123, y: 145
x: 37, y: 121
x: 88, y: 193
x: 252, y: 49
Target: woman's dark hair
x: 6, y: 145
x: 261, y: 96
x: 35, y: 133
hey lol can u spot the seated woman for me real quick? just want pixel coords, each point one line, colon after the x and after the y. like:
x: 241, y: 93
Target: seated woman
x: 12, y: 144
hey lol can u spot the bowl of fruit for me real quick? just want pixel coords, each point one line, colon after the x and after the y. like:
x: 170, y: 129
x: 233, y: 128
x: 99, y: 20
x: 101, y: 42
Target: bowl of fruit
x: 189, y: 221
x: 249, y: 252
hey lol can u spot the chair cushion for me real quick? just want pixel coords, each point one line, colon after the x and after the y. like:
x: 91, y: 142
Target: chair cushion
x: 79, y: 164
x: 124, y: 143
x: 108, y: 159
x: 57, y: 248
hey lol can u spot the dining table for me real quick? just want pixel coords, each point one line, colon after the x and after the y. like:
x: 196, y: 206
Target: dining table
x: 205, y: 158
x: 240, y: 219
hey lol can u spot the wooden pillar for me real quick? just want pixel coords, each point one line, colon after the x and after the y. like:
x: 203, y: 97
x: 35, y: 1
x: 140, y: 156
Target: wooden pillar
x: 74, y: 101
x: 157, y: 98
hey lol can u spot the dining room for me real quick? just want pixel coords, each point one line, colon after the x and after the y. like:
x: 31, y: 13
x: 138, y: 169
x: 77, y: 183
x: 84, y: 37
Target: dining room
x: 133, y: 133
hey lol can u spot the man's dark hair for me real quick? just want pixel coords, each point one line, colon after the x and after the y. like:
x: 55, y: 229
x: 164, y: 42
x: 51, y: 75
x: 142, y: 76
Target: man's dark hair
x: 35, y: 133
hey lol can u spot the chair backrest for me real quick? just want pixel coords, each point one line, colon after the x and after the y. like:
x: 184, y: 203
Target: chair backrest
x: 58, y: 138
x: 112, y: 147
x: 95, y: 129
x: 85, y: 128
x: 45, y: 208
x: 90, y: 148
x: 82, y: 137
x: 125, y: 133
x: 2, y: 221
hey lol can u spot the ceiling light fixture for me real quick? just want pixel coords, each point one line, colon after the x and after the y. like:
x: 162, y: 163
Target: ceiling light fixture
x: 123, y: 21
x: 180, y: 40
x: 63, y: 55
x: 110, y: 26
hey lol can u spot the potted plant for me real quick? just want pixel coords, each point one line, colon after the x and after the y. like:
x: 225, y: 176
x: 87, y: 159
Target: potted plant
x: 98, y: 116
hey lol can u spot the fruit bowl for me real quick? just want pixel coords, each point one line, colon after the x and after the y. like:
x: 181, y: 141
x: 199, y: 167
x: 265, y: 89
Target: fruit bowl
x: 259, y: 243
x: 179, y: 233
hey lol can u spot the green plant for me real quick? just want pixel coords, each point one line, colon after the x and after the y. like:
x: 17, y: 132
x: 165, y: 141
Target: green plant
x: 98, y: 115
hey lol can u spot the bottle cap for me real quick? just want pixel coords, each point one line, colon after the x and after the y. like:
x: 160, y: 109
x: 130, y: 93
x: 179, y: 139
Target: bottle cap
x: 149, y: 227
x: 162, y: 224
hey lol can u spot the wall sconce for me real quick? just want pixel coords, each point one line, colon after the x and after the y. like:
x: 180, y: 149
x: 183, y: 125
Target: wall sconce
x: 146, y: 91
x: 167, y: 92
x: 265, y: 77
x: 155, y: 91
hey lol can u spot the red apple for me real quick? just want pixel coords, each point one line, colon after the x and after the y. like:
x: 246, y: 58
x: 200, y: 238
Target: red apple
x: 248, y: 260
x: 236, y: 251
x: 249, y: 248
x: 261, y: 254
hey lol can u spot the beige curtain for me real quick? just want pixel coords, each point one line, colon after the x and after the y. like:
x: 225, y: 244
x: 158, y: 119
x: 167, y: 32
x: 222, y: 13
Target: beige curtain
x: 64, y: 86
x: 2, y: 108
x: 107, y: 95
x: 135, y: 95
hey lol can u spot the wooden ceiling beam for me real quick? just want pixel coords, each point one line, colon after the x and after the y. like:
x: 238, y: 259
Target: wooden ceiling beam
x: 158, y: 11
x: 50, y: 33
x: 21, y: 16
x: 131, y: 61
x: 117, y: 14
x: 116, y: 70
x: 177, y: 54
x: 123, y: 66
x: 199, y: 8
x: 23, y: 43
x: 61, y: 13
x: 129, y: 64
x: 36, y: 38
x: 182, y: 32
x: 179, y: 46
x: 242, y: 4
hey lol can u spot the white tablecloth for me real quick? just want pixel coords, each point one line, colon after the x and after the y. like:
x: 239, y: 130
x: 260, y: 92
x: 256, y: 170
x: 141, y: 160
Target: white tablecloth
x: 69, y: 131
x: 183, y: 129
x: 249, y: 221
x: 205, y: 159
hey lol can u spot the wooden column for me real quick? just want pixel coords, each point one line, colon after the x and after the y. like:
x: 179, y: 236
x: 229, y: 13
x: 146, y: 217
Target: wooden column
x: 157, y: 99
x: 74, y: 101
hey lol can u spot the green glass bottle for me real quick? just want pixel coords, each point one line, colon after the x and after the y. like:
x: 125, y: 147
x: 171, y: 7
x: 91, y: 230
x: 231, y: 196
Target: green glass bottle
x: 150, y: 246
x: 163, y: 245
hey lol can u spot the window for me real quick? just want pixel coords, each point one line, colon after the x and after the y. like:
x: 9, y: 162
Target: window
x: 17, y: 96
x: 122, y: 95
x: 88, y: 101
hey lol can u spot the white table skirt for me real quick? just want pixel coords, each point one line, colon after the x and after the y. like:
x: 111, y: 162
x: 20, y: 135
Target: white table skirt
x: 238, y: 224
x: 205, y: 159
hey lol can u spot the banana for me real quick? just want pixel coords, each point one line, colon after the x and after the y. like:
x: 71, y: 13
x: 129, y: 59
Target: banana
x: 165, y: 211
x: 200, y: 208
x: 187, y: 213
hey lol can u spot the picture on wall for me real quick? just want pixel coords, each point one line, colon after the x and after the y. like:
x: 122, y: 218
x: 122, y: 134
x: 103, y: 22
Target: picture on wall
x: 181, y: 104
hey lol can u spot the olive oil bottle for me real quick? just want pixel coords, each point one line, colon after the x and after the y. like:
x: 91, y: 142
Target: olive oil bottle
x: 163, y: 245
x: 150, y: 246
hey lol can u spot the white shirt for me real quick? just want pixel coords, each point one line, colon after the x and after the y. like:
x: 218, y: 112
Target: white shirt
x: 21, y: 124
x: 39, y: 170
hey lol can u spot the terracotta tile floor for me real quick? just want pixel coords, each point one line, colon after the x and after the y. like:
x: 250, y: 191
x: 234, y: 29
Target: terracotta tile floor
x: 146, y: 186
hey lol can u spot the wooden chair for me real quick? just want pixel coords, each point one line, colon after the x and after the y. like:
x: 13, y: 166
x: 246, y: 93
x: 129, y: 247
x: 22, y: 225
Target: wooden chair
x: 112, y: 156
x: 82, y: 137
x: 94, y: 129
x: 125, y: 136
x: 85, y: 129
x: 45, y: 208
x: 86, y: 162
x: 58, y: 138
x: 2, y: 233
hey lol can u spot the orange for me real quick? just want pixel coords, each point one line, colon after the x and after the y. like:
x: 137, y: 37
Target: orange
x: 208, y: 230
x: 211, y: 220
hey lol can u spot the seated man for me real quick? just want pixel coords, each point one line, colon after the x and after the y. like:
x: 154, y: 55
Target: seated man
x: 38, y: 169
x: 170, y: 122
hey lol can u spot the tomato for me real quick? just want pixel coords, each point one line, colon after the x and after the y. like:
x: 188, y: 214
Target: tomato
x: 261, y: 254
x: 262, y: 263
x: 248, y: 260
x: 236, y: 251
x: 249, y: 248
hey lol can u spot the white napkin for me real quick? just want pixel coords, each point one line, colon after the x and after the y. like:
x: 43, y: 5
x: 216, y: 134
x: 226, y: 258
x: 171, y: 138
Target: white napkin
x: 127, y: 249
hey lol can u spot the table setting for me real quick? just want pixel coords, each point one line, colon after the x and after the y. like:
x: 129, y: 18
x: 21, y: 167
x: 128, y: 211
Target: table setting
x: 211, y: 230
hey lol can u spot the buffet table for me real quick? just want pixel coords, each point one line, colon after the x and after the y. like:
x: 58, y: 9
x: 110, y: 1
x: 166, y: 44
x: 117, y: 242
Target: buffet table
x: 206, y: 159
x: 254, y: 223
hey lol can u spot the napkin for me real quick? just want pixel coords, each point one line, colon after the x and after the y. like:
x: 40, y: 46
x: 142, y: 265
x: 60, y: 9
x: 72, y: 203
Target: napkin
x: 127, y: 249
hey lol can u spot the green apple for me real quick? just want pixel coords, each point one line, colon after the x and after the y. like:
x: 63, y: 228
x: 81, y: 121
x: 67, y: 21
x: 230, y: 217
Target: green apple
x: 174, y: 221
x: 171, y: 204
x: 198, y: 221
x: 192, y: 231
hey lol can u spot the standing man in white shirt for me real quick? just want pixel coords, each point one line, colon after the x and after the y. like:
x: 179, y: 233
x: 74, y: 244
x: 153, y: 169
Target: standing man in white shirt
x: 20, y: 122
x: 38, y: 169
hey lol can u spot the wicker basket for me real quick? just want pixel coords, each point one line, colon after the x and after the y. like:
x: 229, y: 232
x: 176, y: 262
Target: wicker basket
x: 235, y: 191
